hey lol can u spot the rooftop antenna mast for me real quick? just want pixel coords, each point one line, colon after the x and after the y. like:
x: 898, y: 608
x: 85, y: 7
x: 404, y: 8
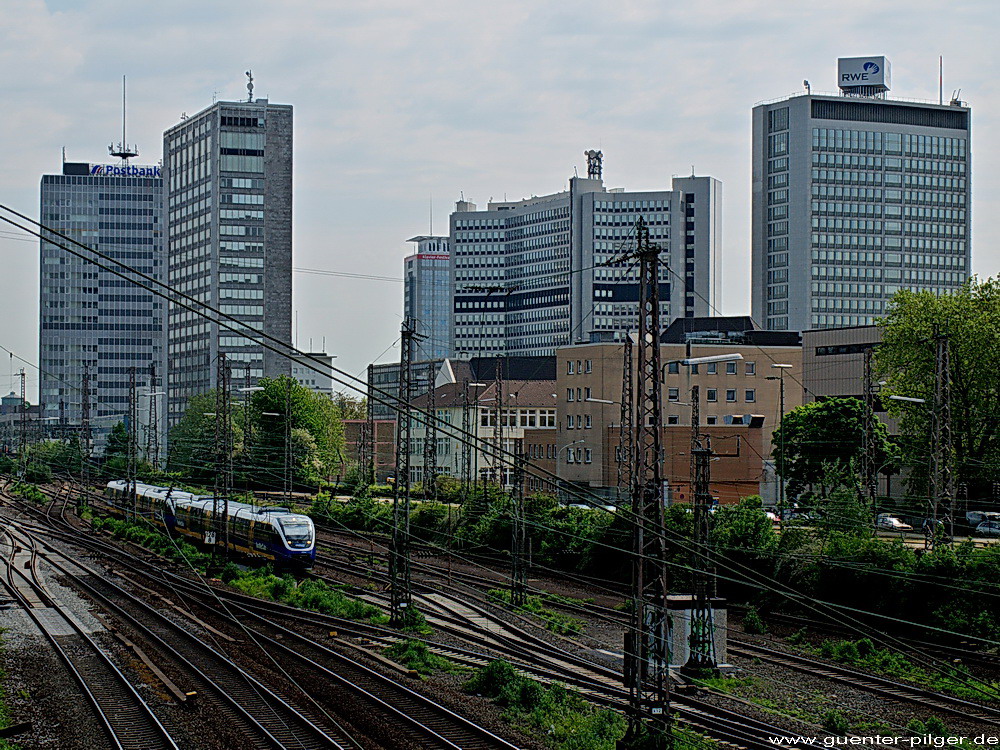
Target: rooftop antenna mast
x: 123, y: 151
x: 249, y: 75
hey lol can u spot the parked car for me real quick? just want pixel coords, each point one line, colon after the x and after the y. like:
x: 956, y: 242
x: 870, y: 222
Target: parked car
x: 988, y: 528
x: 891, y: 523
x: 771, y: 516
x: 976, y: 517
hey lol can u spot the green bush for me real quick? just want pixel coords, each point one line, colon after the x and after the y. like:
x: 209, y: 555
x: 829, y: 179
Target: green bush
x: 30, y: 493
x: 38, y: 473
x: 414, y: 654
x: 836, y: 723
x: 936, y: 727
x: 154, y: 540
x: 752, y: 622
x: 311, y: 594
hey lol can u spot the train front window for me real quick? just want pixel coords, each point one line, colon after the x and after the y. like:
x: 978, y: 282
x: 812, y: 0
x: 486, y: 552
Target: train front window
x: 296, y: 529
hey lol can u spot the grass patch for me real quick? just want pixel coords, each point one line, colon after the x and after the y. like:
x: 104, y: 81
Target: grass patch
x: 863, y: 654
x: 155, y: 541
x: 414, y: 654
x: 558, y: 716
x: 311, y: 594
x: 557, y: 622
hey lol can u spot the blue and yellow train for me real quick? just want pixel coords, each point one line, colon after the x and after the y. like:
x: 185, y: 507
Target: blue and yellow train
x: 271, y: 533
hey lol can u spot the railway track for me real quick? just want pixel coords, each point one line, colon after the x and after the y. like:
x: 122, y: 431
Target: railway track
x: 428, y: 723
x: 537, y: 658
x: 263, y: 717
x: 889, y: 689
x: 603, y: 685
x: 127, y: 718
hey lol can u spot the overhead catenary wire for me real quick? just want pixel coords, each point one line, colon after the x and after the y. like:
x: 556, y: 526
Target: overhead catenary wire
x: 235, y: 325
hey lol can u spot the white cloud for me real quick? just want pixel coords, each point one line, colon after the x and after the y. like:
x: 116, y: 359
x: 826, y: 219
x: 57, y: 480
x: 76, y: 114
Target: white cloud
x: 400, y: 101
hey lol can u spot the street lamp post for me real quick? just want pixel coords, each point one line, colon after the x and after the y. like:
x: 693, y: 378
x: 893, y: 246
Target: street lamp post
x: 930, y: 530
x: 560, y: 450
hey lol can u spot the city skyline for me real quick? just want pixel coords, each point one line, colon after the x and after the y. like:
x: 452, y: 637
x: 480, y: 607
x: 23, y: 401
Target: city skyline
x: 403, y: 134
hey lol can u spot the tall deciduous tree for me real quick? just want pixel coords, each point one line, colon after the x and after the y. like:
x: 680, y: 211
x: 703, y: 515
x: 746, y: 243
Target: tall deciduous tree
x: 317, y: 436
x: 823, y: 436
x: 970, y: 319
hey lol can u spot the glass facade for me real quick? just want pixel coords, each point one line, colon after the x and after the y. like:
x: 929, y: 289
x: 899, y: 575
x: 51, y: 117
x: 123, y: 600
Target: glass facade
x: 93, y: 318
x: 532, y: 275
x: 849, y: 212
x: 427, y: 295
x: 228, y: 193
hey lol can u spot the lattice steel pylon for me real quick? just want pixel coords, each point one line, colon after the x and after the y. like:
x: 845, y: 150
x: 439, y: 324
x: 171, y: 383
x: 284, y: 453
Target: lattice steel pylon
x: 626, y: 443
x: 466, y: 455
x: 370, y: 465
x: 223, y: 453
x: 869, y: 477
x: 85, y: 445
x: 22, y: 425
x: 131, y: 443
x: 942, y: 490
x: 701, y: 661
x: 495, y: 460
x: 399, y: 551
x: 153, y: 431
x: 430, y: 442
x: 647, y: 649
x: 519, y: 536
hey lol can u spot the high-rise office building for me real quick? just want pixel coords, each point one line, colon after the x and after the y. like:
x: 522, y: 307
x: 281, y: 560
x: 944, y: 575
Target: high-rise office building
x: 90, y: 317
x: 228, y: 200
x: 531, y: 275
x: 427, y: 295
x: 856, y: 196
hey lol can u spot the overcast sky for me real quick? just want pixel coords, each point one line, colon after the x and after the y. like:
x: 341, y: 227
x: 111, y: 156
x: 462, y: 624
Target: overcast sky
x: 403, y: 105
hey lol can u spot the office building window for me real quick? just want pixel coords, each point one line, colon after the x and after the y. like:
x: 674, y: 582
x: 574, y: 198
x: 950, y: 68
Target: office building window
x: 751, y: 368
x: 569, y: 394
x: 712, y: 368
x: 587, y: 422
x: 673, y: 367
x: 711, y: 420
x: 569, y: 367
x: 673, y: 419
x: 588, y: 456
x: 750, y: 396
x: 731, y: 395
x: 730, y: 368
x: 712, y: 394
x: 589, y: 365
x: 673, y: 394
